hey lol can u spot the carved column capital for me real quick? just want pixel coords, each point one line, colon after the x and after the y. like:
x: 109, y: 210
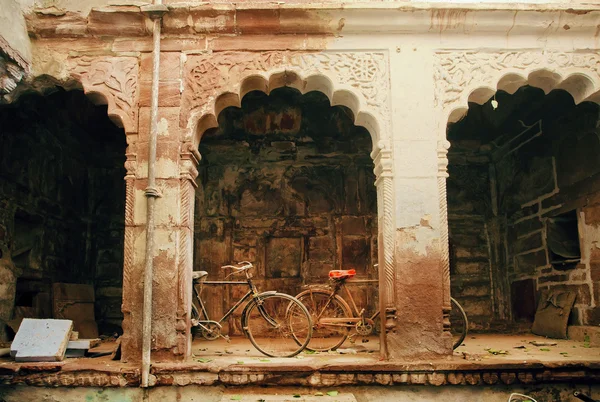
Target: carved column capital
x: 383, y: 164
x: 189, y: 159
x: 130, y: 165
x: 442, y: 153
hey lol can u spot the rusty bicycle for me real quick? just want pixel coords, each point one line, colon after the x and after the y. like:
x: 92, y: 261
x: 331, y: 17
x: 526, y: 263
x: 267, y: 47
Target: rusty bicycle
x: 277, y: 324
x: 333, y: 318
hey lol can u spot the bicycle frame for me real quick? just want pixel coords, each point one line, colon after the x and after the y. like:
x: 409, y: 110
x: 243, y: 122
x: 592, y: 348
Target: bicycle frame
x: 358, y: 314
x: 251, y: 293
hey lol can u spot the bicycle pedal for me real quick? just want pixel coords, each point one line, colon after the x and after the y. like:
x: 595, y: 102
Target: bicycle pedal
x: 226, y: 337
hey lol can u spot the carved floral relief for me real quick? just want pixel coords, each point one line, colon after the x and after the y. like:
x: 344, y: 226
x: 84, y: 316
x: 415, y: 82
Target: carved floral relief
x: 116, y: 78
x: 208, y: 76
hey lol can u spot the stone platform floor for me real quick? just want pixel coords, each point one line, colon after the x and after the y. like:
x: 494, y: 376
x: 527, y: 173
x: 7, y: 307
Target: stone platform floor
x: 483, y: 359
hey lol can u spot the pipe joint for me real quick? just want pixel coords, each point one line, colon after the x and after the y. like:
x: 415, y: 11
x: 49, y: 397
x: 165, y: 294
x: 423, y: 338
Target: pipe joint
x: 152, y: 192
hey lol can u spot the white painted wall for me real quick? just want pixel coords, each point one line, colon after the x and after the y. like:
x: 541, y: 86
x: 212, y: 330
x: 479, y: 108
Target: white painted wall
x: 12, y: 28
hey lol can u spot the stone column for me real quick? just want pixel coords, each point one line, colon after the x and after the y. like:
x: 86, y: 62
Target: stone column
x: 132, y: 269
x: 189, y: 158
x: 173, y: 242
x: 442, y: 153
x: 420, y: 280
x: 385, y: 241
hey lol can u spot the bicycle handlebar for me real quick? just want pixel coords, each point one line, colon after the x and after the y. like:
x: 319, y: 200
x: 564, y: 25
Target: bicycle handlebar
x: 246, y: 265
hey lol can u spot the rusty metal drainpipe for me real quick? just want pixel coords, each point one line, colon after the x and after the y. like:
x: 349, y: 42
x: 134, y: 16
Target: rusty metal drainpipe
x: 155, y: 13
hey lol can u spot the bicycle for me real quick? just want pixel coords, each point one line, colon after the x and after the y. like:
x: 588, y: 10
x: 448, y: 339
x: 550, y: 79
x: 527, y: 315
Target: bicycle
x: 277, y: 324
x: 333, y: 318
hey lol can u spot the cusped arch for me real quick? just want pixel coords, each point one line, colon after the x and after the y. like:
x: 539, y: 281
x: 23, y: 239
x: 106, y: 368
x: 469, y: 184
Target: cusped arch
x: 338, y: 95
x: 45, y: 84
x: 116, y: 115
x: 581, y: 84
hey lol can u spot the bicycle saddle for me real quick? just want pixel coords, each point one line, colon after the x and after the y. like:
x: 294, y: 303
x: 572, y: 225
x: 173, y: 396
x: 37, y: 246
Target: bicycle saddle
x: 342, y: 273
x: 197, y: 276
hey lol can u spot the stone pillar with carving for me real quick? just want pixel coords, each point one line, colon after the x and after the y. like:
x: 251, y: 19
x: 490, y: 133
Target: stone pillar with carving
x: 385, y: 240
x: 188, y: 162
x: 132, y: 292
x: 442, y: 153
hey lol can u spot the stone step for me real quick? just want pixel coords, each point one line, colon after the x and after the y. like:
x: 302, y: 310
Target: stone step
x: 300, y: 397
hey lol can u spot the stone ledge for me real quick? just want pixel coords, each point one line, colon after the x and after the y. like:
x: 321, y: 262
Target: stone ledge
x: 323, y: 18
x: 106, y: 373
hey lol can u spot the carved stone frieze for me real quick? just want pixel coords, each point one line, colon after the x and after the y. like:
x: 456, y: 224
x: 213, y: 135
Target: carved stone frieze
x: 115, y: 78
x: 366, y: 74
x: 459, y: 73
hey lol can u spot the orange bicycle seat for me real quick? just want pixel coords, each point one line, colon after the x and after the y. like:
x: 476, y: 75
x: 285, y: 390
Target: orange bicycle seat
x: 342, y: 273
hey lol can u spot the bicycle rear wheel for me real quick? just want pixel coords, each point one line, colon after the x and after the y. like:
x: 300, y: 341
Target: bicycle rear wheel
x: 459, y: 324
x: 277, y: 324
x: 321, y: 306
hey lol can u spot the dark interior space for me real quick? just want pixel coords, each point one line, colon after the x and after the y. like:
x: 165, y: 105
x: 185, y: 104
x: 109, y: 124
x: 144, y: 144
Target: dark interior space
x: 286, y: 182
x: 62, y: 198
x: 522, y: 193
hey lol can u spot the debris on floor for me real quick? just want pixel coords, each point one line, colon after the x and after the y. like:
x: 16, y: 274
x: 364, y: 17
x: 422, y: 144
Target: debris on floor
x: 41, y: 340
x: 543, y: 343
x: 48, y: 340
x: 79, y: 348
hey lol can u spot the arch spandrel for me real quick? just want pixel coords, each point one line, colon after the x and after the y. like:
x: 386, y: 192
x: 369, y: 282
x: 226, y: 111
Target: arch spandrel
x: 471, y: 76
x: 112, y: 81
x: 358, y: 80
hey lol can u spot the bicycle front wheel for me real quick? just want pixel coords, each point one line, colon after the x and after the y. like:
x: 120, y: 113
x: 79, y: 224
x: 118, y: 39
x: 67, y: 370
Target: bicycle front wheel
x: 328, y: 312
x: 277, y: 324
x: 459, y: 324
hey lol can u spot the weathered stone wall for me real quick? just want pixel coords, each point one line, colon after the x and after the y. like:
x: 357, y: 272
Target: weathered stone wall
x: 287, y: 183
x: 542, y: 168
x: 549, y: 170
x: 62, y: 194
x: 468, y: 203
x: 378, y: 60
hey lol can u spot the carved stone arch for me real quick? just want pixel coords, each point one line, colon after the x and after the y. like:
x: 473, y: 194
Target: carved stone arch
x: 111, y: 81
x: 341, y: 94
x: 462, y: 77
x: 357, y: 80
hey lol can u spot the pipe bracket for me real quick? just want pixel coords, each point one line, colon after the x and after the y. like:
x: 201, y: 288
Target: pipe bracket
x: 154, y: 11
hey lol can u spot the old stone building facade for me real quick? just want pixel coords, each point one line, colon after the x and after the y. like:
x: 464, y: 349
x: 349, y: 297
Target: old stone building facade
x: 454, y: 145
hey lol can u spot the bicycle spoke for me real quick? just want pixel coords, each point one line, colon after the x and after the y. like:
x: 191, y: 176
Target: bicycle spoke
x: 278, y: 325
x: 323, y: 307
